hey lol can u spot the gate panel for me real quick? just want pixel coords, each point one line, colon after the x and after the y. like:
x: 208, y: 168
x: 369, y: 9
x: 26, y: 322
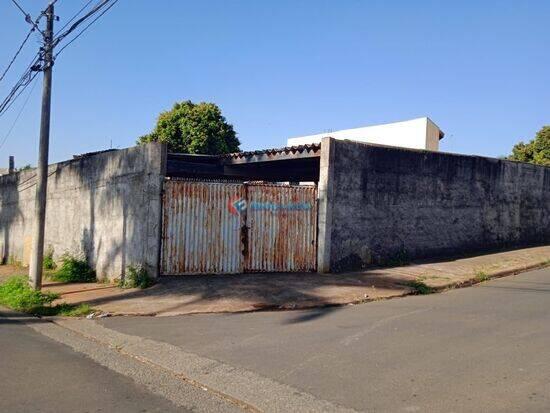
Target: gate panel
x: 202, y: 228
x: 282, y: 228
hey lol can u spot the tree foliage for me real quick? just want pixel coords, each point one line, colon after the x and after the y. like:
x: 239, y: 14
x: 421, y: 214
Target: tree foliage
x: 536, y: 151
x: 197, y: 128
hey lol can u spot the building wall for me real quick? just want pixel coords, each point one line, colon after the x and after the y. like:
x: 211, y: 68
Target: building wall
x: 381, y: 205
x: 106, y: 206
x: 432, y: 136
x: 415, y: 133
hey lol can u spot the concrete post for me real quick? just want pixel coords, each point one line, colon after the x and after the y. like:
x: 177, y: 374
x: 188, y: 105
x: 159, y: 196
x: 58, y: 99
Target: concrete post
x: 156, y: 158
x: 325, y: 191
x: 35, y: 269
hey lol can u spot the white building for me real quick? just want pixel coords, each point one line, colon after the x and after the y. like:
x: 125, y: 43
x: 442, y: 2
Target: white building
x: 419, y: 133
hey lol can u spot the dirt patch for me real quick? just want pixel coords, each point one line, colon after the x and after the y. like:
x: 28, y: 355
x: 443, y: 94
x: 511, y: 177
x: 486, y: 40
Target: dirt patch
x: 7, y: 271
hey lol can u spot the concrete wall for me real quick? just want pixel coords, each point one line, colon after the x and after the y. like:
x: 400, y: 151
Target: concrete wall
x: 105, y: 205
x: 419, y: 133
x: 382, y: 204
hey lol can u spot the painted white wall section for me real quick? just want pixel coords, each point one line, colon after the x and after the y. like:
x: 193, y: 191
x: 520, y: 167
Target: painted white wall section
x: 419, y: 133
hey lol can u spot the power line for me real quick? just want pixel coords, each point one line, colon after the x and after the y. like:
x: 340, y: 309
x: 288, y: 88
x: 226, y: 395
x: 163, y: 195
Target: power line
x: 86, y: 27
x: 18, y: 115
x: 34, y: 24
x: 94, y: 9
x: 28, y: 17
x: 74, y: 17
x: 30, y: 73
x: 16, y: 54
x: 15, y: 96
x: 35, y: 66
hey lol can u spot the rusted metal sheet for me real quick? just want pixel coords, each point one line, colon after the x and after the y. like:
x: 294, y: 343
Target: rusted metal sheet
x: 221, y: 227
x: 202, y: 228
x: 282, y: 223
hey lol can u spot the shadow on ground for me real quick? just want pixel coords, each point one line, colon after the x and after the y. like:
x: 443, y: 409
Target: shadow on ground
x: 233, y: 293
x: 191, y: 294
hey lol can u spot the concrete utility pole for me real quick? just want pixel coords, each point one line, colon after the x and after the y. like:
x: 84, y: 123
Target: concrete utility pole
x: 37, y: 254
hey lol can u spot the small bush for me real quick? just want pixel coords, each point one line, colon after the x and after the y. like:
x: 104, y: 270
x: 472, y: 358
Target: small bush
x: 400, y: 259
x: 482, y: 276
x: 48, y: 263
x: 74, y: 270
x: 65, y: 310
x: 136, y: 277
x: 71, y: 310
x: 17, y: 294
x: 420, y: 288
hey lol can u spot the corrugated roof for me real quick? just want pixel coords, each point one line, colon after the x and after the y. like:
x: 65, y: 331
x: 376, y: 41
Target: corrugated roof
x: 309, y: 148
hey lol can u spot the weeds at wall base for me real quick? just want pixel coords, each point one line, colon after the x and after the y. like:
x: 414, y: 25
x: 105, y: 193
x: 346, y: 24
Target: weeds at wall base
x: 136, y: 277
x: 73, y: 269
x: 65, y: 310
x: 400, y: 259
x: 420, y: 288
x: 48, y: 262
x: 17, y: 294
x: 481, y: 276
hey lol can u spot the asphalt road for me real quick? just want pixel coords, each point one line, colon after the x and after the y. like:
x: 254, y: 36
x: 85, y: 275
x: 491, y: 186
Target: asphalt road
x: 38, y: 374
x: 484, y: 348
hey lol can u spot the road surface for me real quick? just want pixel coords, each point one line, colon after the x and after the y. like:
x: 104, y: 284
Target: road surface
x: 38, y: 374
x: 483, y: 348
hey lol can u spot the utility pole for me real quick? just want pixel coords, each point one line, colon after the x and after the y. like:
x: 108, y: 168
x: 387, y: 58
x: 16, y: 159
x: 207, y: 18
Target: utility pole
x: 35, y: 271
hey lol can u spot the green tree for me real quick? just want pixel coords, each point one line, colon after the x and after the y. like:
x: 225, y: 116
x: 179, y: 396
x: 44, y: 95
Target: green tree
x: 194, y: 128
x: 536, y: 151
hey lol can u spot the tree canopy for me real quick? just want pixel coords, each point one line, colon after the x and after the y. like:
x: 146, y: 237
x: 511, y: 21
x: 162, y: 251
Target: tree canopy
x: 197, y: 128
x: 536, y: 151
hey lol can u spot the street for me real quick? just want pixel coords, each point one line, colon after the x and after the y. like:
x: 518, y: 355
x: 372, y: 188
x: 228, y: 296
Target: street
x: 39, y: 375
x: 483, y: 348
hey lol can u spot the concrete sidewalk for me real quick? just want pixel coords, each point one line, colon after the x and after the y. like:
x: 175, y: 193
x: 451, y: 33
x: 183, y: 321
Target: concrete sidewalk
x: 248, y: 292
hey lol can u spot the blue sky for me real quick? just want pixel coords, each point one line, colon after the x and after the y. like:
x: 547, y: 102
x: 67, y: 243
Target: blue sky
x: 479, y: 69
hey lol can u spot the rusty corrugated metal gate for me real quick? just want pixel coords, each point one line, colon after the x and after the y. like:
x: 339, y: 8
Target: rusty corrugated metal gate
x: 224, y: 228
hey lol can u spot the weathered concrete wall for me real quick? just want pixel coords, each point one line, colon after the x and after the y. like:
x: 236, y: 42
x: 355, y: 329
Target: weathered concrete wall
x: 381, y: 204
x: 106, y: 205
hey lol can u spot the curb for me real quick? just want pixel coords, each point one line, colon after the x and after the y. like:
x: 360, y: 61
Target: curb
x: 407, y: 291
x: 244, y: 388
x: 492, y: 276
